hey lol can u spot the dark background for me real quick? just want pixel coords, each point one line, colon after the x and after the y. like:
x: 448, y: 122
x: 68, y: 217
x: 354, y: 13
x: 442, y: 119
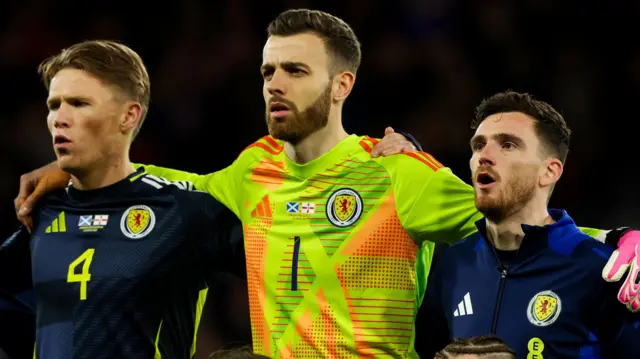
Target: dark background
x: 426, y: 65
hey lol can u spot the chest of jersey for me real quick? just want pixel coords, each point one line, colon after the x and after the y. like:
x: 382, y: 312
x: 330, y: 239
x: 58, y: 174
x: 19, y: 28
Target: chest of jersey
x: 546, y: 314
x: 324, y: 219
x: 330, y: 254
x: 80, y: 253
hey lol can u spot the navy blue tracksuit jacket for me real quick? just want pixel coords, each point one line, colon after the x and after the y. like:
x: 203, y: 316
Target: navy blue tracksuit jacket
x: 546, y: 300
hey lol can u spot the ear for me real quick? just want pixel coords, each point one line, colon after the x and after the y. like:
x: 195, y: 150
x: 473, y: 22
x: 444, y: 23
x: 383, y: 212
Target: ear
x: 551, y: 172
x: 131, y: 117
x: 342, y: 85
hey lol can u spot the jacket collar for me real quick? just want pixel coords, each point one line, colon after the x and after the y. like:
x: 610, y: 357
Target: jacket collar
x: 536, y: 238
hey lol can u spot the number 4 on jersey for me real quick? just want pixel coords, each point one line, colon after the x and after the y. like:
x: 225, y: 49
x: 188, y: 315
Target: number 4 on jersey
x: 84, y: 277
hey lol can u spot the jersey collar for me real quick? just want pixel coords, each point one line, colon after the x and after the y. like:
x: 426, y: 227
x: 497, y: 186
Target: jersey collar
x: 112, y: 191
x: 343, y: 150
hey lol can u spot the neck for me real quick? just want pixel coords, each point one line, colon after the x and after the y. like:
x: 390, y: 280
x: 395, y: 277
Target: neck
x: 103, y: 175
x: 507, y: 233
x: 317, y: 143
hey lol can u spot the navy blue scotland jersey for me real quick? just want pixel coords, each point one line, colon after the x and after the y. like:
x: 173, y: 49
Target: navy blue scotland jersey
x: 122, y: 271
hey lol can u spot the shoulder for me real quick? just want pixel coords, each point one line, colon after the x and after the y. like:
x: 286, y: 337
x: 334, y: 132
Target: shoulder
x: 470, y: 244
x: 460, y: 251
x: 151, y: 183
x: 266, y: 146
x: 580, y: 249
x: 180, y: 190
x: 51, y: 204
x: 54, y: 198
x: 591, y: 251
x: 417, y: 163
x: 187, y: 196
x: 565, y: 238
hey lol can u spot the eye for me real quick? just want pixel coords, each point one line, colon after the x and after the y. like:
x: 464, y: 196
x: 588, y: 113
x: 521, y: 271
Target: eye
x: 267, y: 74
x: 297, y: 72
x: 78, y: 103
x: 478, y: 146
x: 509, y: 145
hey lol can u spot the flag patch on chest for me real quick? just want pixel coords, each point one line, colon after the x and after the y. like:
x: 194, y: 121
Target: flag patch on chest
x: 92, y: 223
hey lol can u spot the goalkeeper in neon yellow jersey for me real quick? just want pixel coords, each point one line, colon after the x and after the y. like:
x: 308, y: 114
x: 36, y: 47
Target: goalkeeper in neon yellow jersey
x: 338, y: 242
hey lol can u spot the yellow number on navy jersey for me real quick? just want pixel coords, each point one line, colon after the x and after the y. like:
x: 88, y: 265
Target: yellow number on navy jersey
x: 85, y: 276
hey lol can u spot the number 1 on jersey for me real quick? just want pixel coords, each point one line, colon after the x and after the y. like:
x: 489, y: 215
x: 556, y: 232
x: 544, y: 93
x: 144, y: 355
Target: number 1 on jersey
x: 84, y: 277
x: 294, y: 263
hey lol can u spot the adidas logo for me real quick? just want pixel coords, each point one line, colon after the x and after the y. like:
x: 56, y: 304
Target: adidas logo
x: 58, y: 225
x: 263, y: 209
x: 464, y: 307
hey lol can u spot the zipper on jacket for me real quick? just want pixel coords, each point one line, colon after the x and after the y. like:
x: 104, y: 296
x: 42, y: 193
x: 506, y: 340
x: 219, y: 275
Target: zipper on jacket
x: 496, y: 309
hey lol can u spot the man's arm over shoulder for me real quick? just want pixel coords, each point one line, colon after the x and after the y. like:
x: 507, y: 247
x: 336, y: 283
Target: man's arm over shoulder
x: 224, y: 185
x: 219, y: 184
x: 433, y: 204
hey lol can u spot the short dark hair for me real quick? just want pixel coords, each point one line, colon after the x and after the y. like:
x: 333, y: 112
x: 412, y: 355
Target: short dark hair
x: 340, y: 40
x: 485, y: 345
x: 238, y: 353
x: 111, y: 62
x: 550, y: 126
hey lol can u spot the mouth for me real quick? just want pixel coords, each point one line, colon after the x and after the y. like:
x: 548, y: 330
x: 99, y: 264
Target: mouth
x: 279, y: 109
x: 61, y: 141
x: 485, y: 180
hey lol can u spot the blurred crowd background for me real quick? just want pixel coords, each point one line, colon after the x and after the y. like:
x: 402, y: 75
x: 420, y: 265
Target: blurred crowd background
x: 426, y: 65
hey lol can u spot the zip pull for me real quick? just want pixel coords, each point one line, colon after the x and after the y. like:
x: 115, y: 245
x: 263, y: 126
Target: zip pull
x: 504, y: 274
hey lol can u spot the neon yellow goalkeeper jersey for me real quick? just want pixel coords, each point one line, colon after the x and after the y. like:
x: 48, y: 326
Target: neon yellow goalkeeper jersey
x: 338, y: 250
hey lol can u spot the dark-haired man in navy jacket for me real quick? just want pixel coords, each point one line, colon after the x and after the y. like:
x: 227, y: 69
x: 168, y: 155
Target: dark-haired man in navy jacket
x: 529, y: 275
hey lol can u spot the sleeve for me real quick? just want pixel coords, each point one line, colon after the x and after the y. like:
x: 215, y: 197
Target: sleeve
x: 223, y: 241
x: 432, y: 203
x: 618, y: 328
x: 17, y: 301
x: 432, y: 329
x: 15, y: 270
x: 411, y: 139
x: 599, y: 234
x: 222, y: 185
x: 608, y: 237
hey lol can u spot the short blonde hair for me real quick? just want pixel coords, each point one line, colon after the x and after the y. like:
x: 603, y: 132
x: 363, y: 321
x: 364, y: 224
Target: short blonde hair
x: 111, y: 62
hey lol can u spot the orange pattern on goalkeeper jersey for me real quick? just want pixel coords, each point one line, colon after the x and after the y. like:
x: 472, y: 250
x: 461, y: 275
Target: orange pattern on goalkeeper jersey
x: 334, y: 291
x: 268, y: 174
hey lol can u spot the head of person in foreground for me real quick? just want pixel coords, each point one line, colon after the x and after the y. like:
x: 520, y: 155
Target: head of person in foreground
x: 519, y: 149
x: 98, y: 97
x: 309, y: 65
x: 480, y: 347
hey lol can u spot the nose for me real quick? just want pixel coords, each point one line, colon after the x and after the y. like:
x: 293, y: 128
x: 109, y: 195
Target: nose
x: 62, y: 117
x: 277, y: 85
x: 486, y: 156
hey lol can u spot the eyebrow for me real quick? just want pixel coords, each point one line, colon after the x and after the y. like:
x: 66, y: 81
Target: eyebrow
x: 286, y: 65
x: 59, y: 99
x: 501, y: 137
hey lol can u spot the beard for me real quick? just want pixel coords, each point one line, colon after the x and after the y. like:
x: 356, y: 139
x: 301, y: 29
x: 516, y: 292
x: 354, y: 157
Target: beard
x: 508, y: 197
x: 299, y: 125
